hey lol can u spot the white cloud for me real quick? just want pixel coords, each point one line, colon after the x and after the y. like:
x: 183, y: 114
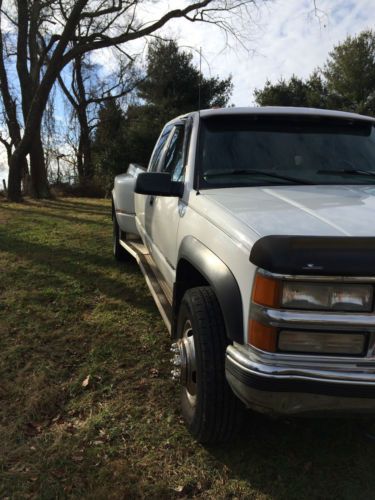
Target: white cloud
x: 285, y: 37
x: 292, y: 39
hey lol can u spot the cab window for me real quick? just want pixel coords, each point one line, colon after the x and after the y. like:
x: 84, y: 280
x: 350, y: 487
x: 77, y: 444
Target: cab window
x: 174, y: 158
x: 158, y: 151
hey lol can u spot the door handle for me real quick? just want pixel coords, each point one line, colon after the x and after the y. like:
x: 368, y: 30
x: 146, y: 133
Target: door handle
x: 152, y: 198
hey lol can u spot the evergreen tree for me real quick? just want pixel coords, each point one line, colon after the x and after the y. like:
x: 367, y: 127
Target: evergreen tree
x: 350, y: 73
x: 172, y: 82
x: 346, y: 82
x: 312, y: 93
x: 109, y: 149
x: 171, y: 87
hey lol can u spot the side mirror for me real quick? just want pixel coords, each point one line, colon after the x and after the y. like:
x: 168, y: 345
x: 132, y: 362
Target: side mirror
x: 134, y: 168
x: 158, y: 184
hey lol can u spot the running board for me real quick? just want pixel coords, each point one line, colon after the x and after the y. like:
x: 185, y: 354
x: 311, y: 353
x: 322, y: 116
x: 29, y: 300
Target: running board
x: 155, y: 282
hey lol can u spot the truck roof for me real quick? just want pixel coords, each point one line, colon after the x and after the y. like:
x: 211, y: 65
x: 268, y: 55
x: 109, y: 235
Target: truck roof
x: 280, y: 110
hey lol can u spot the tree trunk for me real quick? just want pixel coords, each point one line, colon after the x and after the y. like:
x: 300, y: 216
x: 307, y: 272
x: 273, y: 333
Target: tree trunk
x: 10, y: 109
x: 16, y: 164
x: 18, y: 176
x: 84, y: 158
x: 25, y: 176
x: 39, y: 99
x: 80, y: 161
x: 84, y: 139
x: 85, y: 143
x: 30, y: 64
x: 39, y: 181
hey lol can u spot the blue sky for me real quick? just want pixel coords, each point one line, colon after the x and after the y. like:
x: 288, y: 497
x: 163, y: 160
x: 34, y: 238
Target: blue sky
x: 289, y: 38
x: 284, y: 37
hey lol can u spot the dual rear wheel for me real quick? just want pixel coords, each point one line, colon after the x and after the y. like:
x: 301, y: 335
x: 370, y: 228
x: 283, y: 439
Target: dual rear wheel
x: 119, y: 251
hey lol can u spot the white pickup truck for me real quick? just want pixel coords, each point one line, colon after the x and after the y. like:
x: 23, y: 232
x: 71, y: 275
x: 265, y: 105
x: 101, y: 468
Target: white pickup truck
x: 255, y: 229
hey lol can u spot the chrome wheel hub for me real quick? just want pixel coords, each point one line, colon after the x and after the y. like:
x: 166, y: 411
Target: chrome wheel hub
x: 184, y: 363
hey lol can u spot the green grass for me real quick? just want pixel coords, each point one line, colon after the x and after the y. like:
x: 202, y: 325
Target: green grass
x: 69, y: 314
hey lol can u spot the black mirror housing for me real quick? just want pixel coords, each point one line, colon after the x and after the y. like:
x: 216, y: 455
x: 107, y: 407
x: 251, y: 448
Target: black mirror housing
x: 158, y: 184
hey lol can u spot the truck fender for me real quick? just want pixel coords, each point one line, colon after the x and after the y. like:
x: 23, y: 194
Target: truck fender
x: 218, y: 275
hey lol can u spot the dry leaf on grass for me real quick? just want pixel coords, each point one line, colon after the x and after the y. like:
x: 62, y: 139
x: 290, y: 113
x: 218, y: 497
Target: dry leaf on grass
x: 154, y: 372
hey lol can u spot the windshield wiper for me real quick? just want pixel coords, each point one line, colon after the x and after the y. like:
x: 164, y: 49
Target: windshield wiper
x: 220, y: 173
x: 347, y: 171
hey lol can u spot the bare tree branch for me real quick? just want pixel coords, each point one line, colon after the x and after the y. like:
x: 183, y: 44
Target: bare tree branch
x: 103, y: 12
x: 54, y: 33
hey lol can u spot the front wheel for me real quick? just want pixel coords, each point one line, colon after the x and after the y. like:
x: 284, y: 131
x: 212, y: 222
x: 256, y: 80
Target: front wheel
x: 209, y: 407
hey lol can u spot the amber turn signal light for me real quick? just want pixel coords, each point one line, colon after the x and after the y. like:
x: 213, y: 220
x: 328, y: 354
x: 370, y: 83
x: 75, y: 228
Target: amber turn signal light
x: 266, y: 291
x: 261, y: 336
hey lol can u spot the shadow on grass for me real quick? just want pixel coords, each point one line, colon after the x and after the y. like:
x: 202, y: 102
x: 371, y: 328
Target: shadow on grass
x: 67, y: 218
x: 303, y: 458
x: 76, y: 264
x: 95, y: 209
x: 279, y: 459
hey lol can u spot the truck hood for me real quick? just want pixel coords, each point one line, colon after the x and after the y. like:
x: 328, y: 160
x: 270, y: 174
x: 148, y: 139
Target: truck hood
x: 300, y: 210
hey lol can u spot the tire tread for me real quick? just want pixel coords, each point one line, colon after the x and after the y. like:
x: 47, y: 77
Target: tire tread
x: 218, y: 408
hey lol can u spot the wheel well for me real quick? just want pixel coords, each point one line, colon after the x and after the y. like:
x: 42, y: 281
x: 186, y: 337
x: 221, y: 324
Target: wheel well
x: 187, y: 276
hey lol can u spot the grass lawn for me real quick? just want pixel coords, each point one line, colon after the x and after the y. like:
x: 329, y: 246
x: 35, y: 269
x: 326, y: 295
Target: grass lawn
x: 87, y: 408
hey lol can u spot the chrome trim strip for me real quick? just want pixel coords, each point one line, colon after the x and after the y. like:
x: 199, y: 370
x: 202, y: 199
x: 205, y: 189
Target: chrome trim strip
x: 300, y: 277
x: 313, y: 361
x: 310, y: 320
x: 298, y: 372
x: 122, y: 212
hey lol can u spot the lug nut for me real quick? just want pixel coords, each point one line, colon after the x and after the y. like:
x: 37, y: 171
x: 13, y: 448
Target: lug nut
x: 176, y: 360
x: 174, y: 348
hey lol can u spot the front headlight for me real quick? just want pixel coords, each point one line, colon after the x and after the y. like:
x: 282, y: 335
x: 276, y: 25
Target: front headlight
x: 350, y: 297
x: 328, y: 297
x: 278, y: 293
x: 322, y: 342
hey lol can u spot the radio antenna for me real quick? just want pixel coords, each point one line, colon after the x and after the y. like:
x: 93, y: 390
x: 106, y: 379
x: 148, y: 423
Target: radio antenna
x: 199, y: 118
x: 200, y: 79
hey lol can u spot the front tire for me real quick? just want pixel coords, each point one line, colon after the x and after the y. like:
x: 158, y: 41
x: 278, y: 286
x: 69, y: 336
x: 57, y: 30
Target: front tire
x: 209, y: 407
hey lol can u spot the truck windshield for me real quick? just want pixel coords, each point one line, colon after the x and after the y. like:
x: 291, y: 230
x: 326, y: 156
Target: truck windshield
x: 255, y: 150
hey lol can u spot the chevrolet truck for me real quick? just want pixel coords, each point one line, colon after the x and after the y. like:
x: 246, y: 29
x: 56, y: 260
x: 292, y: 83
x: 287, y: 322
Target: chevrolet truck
x: 255, y: 231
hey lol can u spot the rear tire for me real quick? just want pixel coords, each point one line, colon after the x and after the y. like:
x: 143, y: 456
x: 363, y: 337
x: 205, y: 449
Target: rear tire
x: 119, y: 251
x: 209, y: 407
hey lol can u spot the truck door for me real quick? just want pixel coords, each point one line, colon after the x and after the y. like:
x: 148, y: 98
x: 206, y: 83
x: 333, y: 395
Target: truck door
x: 143, y: 201
x: 163, y: 213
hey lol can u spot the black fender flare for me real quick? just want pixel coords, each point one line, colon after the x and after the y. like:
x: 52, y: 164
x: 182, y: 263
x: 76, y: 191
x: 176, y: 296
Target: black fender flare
x: 221, y: 279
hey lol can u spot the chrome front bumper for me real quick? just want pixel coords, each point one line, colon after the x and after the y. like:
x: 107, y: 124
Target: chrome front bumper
x: 275, y: 385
